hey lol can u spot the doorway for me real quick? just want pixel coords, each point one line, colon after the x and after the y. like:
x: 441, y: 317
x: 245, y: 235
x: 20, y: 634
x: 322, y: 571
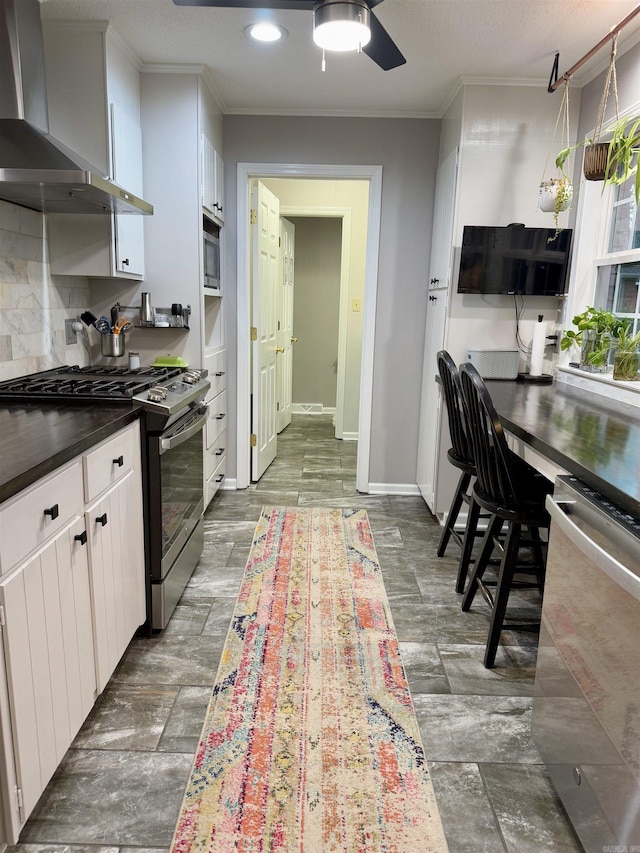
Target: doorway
x: 246, y: 173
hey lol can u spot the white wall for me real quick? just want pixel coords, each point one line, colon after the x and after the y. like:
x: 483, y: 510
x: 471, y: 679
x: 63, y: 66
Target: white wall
x: 407, y: 149
x: 507, y: 136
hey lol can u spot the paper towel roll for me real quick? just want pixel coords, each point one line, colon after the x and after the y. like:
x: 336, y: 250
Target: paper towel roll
x: 537, y: 348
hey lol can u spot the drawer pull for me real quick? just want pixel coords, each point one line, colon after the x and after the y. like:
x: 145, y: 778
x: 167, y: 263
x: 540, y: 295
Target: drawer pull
x: 119, y: 461
x: 220, y: 373
x: 81, y: 537
x: 220, y: 451
x: 102, y: 519
x: 219, y: 478
x: 220, y: 416
x: 53, y: 511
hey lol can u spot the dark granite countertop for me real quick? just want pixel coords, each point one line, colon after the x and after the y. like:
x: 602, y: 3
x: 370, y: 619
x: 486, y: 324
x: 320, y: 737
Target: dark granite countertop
x: 593, y: 438
x: 36, y: 438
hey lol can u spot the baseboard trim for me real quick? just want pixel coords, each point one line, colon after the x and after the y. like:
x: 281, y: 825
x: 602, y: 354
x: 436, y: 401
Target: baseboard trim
x: 394, y: 489
x: 349, y: 436
x: 312, y: 409
x: 229, y: 483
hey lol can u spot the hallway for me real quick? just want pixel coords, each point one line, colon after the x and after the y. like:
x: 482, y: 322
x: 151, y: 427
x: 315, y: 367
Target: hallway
x: 121, y: 783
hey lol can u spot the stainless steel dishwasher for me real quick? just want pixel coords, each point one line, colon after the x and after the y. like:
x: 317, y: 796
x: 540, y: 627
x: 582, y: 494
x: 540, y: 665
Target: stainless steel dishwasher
x: 586, y: 708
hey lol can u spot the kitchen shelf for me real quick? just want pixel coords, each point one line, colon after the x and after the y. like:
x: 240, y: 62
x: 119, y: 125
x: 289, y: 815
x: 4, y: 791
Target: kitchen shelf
x: 164, y: 328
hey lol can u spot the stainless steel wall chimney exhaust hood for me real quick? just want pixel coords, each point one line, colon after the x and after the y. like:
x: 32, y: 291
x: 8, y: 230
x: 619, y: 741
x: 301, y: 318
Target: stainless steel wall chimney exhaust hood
x: 37, y: 171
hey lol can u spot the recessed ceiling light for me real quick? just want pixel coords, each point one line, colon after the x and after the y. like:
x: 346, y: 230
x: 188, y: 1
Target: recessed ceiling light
x: 265, y: 32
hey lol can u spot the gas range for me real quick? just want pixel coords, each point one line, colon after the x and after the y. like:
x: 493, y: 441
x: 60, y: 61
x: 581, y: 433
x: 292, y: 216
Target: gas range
x: 160, y: 390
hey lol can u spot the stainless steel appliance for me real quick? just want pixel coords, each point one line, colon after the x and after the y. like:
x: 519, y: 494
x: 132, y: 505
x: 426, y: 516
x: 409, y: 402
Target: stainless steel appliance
x: 211, y: 255
x: 173, y: 422
x: 586, y: 711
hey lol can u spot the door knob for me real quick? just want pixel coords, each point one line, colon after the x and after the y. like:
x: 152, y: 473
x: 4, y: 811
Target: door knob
x: 294, y: 340
x: 279, y: 349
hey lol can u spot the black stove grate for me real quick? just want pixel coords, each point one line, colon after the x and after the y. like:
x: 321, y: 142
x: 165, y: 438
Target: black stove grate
x: 71, y: 382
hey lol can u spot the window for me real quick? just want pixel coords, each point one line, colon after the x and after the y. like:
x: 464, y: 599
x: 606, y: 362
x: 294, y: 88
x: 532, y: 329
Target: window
x: 618, y: 280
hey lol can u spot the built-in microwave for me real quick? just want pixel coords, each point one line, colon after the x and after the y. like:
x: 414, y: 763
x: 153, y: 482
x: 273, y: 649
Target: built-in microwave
x: 211, y: 259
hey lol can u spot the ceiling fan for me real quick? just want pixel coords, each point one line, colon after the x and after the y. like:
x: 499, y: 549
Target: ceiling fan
x: 380, y: 47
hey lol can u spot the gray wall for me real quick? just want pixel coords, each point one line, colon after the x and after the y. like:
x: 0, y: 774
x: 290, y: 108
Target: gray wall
x: 407, y: 149
x: 316, y: 307
x: 628, y: 75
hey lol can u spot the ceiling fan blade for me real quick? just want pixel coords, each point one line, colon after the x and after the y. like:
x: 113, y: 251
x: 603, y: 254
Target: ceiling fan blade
x: 382, y: 49
x: 261, y: 4
x: 305, y: 5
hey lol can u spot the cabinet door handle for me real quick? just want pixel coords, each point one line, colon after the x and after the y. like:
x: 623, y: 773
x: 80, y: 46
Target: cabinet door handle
x: 220, y: 373
x: 102, y: 519
x: 53, y: 511
x: 81, y: 537
x: 125, y: 262
x: 220, y: 416
x: 119, y: 461
x: 219, y: 478
x: 433, y: 298
x: 220, y: 451
x: 435, y: 281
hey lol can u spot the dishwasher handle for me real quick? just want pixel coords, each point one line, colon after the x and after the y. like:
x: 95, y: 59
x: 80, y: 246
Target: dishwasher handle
x: 560, y: 512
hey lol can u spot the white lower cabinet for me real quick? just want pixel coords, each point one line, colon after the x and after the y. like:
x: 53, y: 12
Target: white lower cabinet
x: 49, y: 658
x: 117, y: 583
x: 68, y: 608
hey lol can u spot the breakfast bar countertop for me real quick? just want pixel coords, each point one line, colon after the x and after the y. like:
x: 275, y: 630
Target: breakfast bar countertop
x: 595, y: 439
x: 37, y: 438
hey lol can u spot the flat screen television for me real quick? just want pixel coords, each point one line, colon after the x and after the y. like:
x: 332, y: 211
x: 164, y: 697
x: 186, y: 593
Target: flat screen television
x: 514, y: 259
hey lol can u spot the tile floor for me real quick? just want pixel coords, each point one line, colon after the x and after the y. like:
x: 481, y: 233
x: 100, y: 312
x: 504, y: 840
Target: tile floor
x: 120, y: 786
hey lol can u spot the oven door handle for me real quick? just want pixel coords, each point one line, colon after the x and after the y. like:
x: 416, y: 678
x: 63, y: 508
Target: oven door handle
x: 191, y: 429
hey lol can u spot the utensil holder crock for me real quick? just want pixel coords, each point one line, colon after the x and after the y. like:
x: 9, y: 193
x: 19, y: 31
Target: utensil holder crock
x: 112, y: 345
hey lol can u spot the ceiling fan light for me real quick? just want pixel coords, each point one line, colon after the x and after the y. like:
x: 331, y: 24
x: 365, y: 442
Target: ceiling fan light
x: 341, y: 25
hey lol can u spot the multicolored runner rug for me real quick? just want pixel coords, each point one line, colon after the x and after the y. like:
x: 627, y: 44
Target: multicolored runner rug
x: 310, y: 743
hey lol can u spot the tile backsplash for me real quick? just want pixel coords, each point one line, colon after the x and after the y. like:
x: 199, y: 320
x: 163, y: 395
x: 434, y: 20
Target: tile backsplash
x: 33, y: 303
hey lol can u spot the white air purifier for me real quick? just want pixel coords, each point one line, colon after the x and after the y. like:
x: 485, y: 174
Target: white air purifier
x: 495, y: 363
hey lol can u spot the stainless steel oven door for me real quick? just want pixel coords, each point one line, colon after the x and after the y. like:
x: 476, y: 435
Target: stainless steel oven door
x: 180, y: 460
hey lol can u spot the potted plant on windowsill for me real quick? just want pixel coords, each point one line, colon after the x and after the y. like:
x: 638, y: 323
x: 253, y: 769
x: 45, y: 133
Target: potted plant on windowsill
x: 626, y: 359
x: 596, y: 330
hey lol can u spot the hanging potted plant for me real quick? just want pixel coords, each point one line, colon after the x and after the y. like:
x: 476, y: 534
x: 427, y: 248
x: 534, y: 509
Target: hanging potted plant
x: 555, y: 194
x: 554, y: 197
x: 616, y: 160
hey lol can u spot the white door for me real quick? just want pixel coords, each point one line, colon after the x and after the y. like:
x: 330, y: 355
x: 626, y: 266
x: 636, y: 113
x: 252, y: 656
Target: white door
x: 286, y: 338
x: 265, y: 249
x: 434, y: 336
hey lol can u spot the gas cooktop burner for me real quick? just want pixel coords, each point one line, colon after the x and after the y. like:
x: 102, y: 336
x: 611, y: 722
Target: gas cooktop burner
x: 70, y: 382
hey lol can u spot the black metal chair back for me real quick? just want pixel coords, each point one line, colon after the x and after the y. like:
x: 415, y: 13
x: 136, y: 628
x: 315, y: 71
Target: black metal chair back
x: 495, y: 485
x: 460, y: 442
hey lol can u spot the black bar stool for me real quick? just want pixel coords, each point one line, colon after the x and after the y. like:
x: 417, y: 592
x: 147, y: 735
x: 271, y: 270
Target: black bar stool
x: 460, y: 454
x: 514, y: 495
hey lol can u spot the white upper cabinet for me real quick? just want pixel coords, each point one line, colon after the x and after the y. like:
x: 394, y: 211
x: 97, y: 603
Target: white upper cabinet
x: 93, y: 90
x: 126, y: 139
x: 212, y: 172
